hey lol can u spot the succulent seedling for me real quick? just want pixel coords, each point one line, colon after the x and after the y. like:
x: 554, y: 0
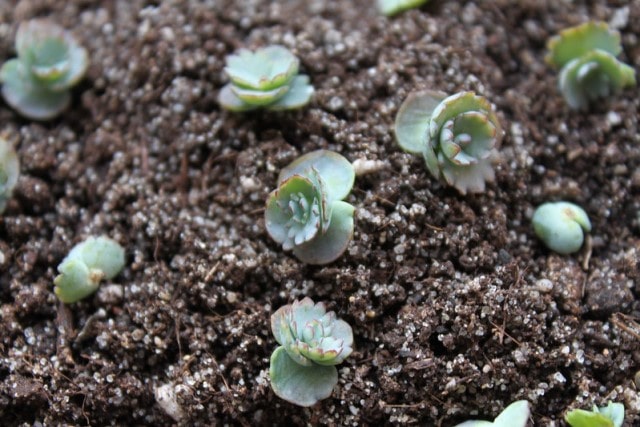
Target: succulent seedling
x: 87, y: 264
x: 9, y: 171
x: 456, y: 135
x: 561, y: 226
x: 586, y: 57
x: 514, y: 415
x: 393, y: 7
x: 312, y: 341
x: 306, y: 212
x: 611, y: 415
x: 50, y: 60
x: 265, y: 78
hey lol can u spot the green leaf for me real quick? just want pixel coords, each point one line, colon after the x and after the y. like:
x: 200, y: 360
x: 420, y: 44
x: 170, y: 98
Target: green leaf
x: 327, y: 247
x: 412, y: 120
x: 101, y: 253
x: 561, y: 226
x: 9, y: 172
x: 574, y: 42
x: 301, y: 385
x: 393, y: 7
x: 614, y: 411
x: 582, y: 418
x: 266, y: 69
x: 229, y: 101
x: 457, y: 104
x: 334, y: 170
x: 299, y: 94
x: 514, y: 415
x: 74, y: 281
x: 259, y: 98
x: 27, y: 97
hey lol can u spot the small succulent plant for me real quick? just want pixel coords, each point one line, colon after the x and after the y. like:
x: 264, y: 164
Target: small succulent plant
x: 9, y: 171
x: 514, y: 415
x: 393, y: 7
x: 50, y: 60
x: 312, y: 341
x: 456, y: 135
x: 306, y: 212
x: 561, y: 226
x: 611, y: 415
x: 586, y: 56
x: 87, y: 264
x: 266, y: 78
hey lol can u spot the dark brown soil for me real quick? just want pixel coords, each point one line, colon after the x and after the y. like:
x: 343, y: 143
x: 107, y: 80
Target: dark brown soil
x: 456, y: 307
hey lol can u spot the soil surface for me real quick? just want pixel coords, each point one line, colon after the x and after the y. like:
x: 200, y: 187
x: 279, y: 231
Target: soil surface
x: 457, y: 308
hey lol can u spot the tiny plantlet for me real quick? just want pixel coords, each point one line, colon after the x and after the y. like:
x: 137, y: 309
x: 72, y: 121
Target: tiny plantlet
x: 561, y: 226
x: 87, y: 264
x: 456, y: 136
x: 9, y: 171
x: 611, y: 415
x: 312, y: 341
x: 514, y: 415
x: 586, y: 57
x: 306, y: 212
x: 267, y: 78
x: 393, y: 7
x: 50, y: 61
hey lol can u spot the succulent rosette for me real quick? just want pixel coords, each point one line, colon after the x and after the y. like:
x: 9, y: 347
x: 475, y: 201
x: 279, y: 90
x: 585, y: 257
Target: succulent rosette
x: 589, y: 70
x: 9, y: 171
x: 266, y: 78
x: 306, y: 212
x: 50, y: 60
x: 312, y: 341
x: 457, y: 135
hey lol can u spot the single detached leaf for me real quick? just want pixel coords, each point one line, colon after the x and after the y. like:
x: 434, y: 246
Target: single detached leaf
x: 561, y: 226
x: 327, y: 247
x: 574, y: 42
x: 412, y: 120
x: 334, y: 170
x: 301, y: 385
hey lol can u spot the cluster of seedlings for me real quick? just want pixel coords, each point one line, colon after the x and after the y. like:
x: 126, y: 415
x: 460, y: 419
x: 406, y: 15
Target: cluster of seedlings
x: 457, y: 135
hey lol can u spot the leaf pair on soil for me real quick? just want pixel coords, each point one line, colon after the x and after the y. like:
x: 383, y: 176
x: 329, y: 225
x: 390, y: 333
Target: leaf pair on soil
x: 589, y: 70
x: 312, y: 341
x: 50, y: 60
x: 456, y: 135
x: 266, y: 78
x: 306, y: 212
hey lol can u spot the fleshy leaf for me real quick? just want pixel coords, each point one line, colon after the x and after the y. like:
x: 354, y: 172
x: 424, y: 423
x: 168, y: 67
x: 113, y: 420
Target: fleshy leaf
x: 9, y: 172
x: 335, y: 171
x: 74, y: 281
x: 412, y: 120
x: 301, y: 385
x: 514, y: 415
x: 327, y: 247
x: 299, y: 94
x: 100, y: 253
x: 561, y: 226
x: 259, y: 98
x: 582, y: 418
x: 393, y: 7
x: 27, y: 97
x: 266, y: 69
x: 614, y: 411
x: 231, y: 102
x: 574, y: 42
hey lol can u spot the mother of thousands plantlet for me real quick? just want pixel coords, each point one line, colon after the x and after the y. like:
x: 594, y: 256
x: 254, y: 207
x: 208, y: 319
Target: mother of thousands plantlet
x: 306, y: 212
x: 85, y: 266
x: 9, y: 171
x: 455, y: 134
x: 586, y: 56
x: 50, y: 60
x: 311, y: 342
x: 561, y: 226
x: 265, y: 78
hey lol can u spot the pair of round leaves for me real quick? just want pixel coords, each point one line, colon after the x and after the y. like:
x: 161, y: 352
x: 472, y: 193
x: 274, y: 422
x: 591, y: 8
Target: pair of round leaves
x: 456, y: 135
x: 88, y: 263
x: 49, y: 62
x: 586, y: 56
x: 9, y: 171
x: 266, y: 78
x: 306, y: 213
x: 561, y: 226
x: 312, y: 341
